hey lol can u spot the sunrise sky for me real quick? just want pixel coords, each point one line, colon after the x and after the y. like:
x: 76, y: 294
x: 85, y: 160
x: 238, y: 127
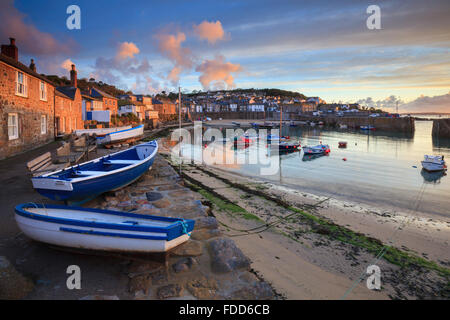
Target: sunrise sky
x: 319, y: 48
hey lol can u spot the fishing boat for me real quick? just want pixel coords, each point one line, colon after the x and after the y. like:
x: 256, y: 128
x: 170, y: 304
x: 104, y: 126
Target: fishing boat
x: 100, y: 131
x: 273, y: 137
x: 123, y: 135
x: 367, y: 128
x: 287, y: 147
x: 434, y: 163
x: 92, y: 178
x: 319, y: 149
x: 104, y: 230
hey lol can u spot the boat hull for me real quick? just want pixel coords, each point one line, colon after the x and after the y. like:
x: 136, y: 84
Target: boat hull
x: 72, y: 233
x: 123, y: 135
x: 433, y: 167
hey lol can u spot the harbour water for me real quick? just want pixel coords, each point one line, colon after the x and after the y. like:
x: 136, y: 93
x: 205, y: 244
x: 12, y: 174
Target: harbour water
x: 378, y: 168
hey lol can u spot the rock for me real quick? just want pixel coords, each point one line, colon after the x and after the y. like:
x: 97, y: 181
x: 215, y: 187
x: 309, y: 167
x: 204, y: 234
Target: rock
x: 190, y: 248
x: 153, y: 196
x: 159, y: 277
x: 205, y: 234
x: 140, y: 283
x: 163, y: 203
x: 206, y: 223
x: 98, y: 297
x: 181, y: 194
x: 169, y: 187
x: 184, y: 264
x: 226, y: 256
x: 248, y: 277
x: 203, y: 288
x: 170, y: 291
x: 258, y: 291
x: 13, y: 285
x: 140, y: 268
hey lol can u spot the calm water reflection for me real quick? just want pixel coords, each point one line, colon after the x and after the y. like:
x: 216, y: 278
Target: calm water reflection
x: 380, y: 167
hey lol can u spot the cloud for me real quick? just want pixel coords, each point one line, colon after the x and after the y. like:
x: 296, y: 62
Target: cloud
x: 428, y: 104
x: 210, y: 31
x: 170, y: 46
x: 217, y: 72
x: 389, y: 103
x: 127, y: 50
x: 28, y: 38
x: 67, y: 64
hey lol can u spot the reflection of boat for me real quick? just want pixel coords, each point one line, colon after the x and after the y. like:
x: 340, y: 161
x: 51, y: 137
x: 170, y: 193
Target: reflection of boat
x: 321, y: 123
x: 312, y: 124
x: 434, y: 163
x: 272, y: 137
x: 242, y: 140
x: 292, y: 124
x: 104, y: 230
x: 342, y: 144
x: 236, y: 123
x: 319, y: 149
x: 92, y: 178
x: 309, y: 157
x: 432, y: 177
x: 367, y: 128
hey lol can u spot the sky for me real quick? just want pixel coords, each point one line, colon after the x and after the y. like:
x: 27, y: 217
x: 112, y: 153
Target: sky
x: 318, y: 48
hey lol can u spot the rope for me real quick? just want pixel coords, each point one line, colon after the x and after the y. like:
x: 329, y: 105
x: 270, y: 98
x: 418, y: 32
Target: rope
x: 184, y: 226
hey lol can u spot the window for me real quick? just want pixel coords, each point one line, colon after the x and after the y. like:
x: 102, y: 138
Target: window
x: 43, y: 91
x: 21, y: 84
x: 43, y: 124
x: 13, y: 126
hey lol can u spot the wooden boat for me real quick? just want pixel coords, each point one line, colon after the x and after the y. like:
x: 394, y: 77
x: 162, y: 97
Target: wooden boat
x: 100, y: 132
x: 92, y: 178
x: 98, y: 229
x: 123, y: 135
x: 434, y: 163
x: 342, y: 144
x: 319, y: 149
x: 287, y: 147
x: 367, y: 128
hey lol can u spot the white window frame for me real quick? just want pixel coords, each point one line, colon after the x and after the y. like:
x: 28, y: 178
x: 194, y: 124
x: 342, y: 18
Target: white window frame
x: 43, y: 124
x: 14, y: 125
x: 43, y: 93
x: 21, y: 87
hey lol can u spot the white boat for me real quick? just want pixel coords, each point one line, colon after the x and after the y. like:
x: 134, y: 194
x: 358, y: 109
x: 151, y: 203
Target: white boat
x: 343, y: 126
x: 319, y: 149
x: 122, y: 135
x: 434, y: 163
x: 100, y: 131
x: 97, y: 229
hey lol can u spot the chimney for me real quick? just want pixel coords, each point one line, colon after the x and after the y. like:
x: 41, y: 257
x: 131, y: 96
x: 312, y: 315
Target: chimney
x: 11, y: 49
x: 32, y: 65
x: 73, y: 77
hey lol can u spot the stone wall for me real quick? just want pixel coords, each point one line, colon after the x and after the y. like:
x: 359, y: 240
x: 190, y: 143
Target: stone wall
x: 441, y: 128
x: 29, y: 110
x: 69, y: 113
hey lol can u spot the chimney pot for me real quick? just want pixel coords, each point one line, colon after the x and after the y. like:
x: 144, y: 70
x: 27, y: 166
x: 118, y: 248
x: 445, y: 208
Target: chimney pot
x: 10, y: 50
x: 73, y: 77
x: 12, y: 41
x: 32, y: 65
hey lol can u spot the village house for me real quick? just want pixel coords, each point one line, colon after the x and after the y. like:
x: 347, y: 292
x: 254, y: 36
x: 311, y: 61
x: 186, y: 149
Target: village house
x: 109, y: 102
x: 68, y: 107
x: 164, y: 107
x: 27, y: 104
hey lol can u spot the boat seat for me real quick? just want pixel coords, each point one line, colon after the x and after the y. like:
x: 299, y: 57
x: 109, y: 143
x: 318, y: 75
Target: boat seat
x: 88, y: 173
x: 121, y: 161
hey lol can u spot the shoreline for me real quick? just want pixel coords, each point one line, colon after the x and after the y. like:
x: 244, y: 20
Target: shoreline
x: 318, y: 254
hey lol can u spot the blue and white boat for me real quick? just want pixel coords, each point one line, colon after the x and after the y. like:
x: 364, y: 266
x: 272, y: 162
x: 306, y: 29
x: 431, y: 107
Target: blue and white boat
x: 92, y: 178
x: 434, y: 163
x: 122, y: 135
x: 97, y: 229
x: 367, y: 128
x: 315, y: 150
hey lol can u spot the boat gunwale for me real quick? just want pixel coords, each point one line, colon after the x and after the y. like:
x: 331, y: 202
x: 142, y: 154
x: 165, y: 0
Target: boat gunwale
x: 109, y: 134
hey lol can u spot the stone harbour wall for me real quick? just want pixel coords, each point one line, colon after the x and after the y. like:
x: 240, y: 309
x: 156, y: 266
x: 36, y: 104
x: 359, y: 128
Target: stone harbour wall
x: 441, y: 128
x: 208, y: 266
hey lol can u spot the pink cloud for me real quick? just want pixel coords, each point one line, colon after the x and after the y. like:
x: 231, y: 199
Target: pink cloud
x: 127, y: 50
x: 210, y: 31
x: 67, y: 64
x: 217, y: 72
x: 28, y: 38
x: 170, y: 46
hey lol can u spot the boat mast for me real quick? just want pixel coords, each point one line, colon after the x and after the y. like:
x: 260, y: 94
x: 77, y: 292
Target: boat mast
x: 281, y: 118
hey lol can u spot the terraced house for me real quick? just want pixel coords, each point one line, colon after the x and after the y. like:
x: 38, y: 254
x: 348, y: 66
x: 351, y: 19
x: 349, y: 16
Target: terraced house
x: 27, y: 104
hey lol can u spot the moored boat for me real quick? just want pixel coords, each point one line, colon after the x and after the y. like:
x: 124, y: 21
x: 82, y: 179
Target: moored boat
x: 92, y: 178
x: 123, y: 135
x: 342, y: 144
x: 287, y: 147
x: 367, y: 128
x: 100, y: 131
x: 97, y: 229
x: 434, y: 163
x: 319, y: 149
